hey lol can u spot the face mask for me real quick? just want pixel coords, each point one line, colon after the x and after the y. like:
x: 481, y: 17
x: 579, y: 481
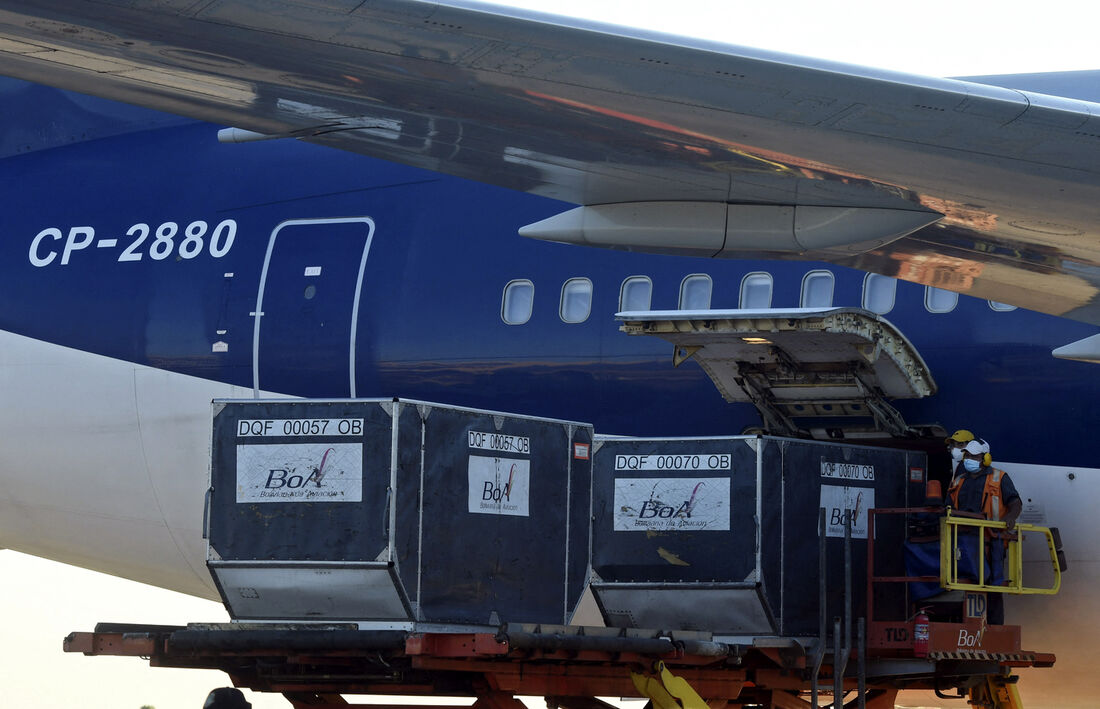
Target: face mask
x: 956, y: 454
x: 972, y: 465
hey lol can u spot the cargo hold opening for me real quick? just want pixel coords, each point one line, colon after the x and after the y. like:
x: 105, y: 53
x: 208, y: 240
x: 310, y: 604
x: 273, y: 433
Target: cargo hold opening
x: 826, y: 374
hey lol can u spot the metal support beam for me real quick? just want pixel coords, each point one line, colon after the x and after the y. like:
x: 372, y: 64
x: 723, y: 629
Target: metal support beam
x: 887, y: 418
x: 819, y: 653
x: 861, y: 649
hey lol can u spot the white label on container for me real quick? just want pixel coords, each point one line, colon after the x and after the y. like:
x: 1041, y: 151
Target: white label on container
x: 300, y: 472
x: 248, y: 428
x: 672, y: 504
x: 847, y: 471
x: 499, y: 442
x: 842, y: 502
x: 682, y: 461
x: 499, y: 486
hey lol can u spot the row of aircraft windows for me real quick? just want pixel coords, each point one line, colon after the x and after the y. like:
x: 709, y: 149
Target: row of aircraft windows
x: 635, y: 293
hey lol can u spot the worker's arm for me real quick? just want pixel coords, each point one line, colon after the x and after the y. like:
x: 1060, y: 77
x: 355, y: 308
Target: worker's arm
x: 1015, y: 507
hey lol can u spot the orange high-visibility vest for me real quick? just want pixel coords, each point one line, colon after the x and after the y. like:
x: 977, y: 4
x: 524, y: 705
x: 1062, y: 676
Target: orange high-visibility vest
x: 991, y: 494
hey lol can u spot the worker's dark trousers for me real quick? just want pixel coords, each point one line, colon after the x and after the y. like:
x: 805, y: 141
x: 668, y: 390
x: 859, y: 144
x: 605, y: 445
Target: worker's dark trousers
x: 995, y: 605
x: 995, y: 609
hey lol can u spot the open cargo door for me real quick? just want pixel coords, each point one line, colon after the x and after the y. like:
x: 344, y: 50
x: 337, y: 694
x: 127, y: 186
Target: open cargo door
x: 838, y: 366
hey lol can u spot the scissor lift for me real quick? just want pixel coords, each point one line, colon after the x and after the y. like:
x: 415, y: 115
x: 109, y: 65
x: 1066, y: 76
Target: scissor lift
x: 962, y: 633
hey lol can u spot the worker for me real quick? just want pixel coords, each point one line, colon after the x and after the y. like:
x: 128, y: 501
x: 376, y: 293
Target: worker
x: 955, y: 443
x: 983, y: 489
x: 980, y: 488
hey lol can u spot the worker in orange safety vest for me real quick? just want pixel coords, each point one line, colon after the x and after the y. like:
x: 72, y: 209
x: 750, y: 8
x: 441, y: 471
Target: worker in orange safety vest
x: 982, y: 489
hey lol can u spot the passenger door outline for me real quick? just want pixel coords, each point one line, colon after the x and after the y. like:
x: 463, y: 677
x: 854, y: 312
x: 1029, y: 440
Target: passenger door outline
x: 259, y: 312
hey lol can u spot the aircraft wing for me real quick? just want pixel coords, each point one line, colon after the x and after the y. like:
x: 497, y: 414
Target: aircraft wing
x: 664, y: 144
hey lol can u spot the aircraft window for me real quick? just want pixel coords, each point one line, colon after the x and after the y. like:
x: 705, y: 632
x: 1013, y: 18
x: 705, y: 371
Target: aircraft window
x: 576, y: 300
x: 1001, y: 307
x: 938, y: 300
x: 879, y: 293
x: 817, y: 289
x: 756, y: 291
x: 519, y: 299
x: 636, y: 293
x: 695, y: 292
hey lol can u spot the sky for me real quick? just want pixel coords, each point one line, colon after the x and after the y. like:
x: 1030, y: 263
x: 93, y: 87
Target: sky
x: 44, y: 601
x: 931, y: 37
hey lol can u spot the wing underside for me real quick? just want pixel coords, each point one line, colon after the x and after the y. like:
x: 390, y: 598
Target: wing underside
x: 979, y: 189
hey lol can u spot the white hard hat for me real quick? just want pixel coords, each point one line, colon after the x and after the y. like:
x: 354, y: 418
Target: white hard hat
x: 976, y: 447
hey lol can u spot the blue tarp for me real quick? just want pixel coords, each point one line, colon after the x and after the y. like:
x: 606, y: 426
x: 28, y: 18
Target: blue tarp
x: 923, y: 559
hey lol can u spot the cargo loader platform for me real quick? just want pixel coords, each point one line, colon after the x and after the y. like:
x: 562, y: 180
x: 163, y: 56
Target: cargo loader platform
x: 315, y: 664
x: 406, y: 548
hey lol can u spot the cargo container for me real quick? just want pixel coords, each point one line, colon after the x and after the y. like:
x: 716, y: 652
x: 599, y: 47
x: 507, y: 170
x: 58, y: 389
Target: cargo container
x: 395, y: 510
x: 721, y: 534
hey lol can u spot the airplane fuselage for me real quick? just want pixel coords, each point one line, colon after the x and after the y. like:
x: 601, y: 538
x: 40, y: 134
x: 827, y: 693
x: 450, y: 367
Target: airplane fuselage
x: 149, y: 247
x: 148, y: 268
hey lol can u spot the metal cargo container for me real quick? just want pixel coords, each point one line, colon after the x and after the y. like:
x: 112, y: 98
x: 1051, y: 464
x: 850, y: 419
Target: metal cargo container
x: 721, y: 534
x: 395, y: 510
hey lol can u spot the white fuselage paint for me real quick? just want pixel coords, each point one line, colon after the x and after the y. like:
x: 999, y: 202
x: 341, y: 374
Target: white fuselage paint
x: 1068, y: 623
x: 105, y: 464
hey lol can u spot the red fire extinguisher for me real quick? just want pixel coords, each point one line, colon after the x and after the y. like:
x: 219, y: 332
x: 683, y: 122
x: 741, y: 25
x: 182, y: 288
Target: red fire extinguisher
x: 920, y: 634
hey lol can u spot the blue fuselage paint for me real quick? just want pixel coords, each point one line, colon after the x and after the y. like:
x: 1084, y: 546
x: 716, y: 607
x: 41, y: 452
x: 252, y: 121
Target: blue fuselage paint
x: 138, y: 236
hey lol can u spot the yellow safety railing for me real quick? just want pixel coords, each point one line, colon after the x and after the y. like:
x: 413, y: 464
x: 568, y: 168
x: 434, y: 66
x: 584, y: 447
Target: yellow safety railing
x: 950, y: 554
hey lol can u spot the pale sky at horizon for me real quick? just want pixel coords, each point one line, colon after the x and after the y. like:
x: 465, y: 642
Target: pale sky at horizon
x: 44, y: 601
x: 932, y: 37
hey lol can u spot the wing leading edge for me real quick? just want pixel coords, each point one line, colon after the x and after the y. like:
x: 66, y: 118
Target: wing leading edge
x: 1008, y: 181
